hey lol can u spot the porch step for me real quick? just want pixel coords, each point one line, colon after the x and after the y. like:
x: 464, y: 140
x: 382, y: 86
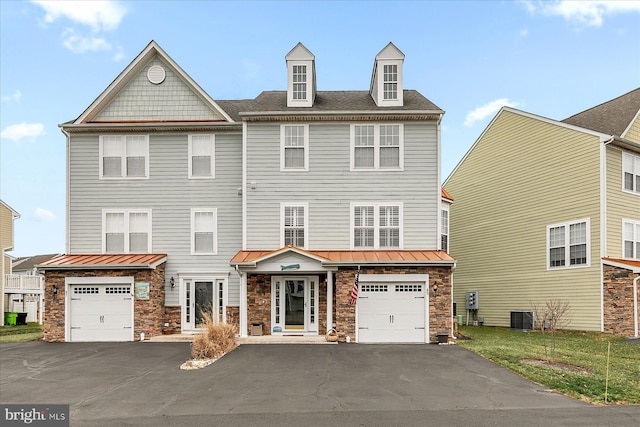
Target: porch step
x: 264, y: 339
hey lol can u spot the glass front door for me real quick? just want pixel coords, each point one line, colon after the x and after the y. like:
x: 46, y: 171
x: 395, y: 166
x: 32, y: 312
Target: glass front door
x: 295, y: 304
x: 203, y: 303
x: 202, y: 298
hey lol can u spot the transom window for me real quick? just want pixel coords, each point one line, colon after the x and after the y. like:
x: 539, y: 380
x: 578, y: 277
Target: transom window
x: 204, y: 225
x: 124, y: 156
x: 294, y: 221
x: 568, y: 244
x: 300, y: 82
x: 631, y: 239
x: 126, y: 231
x: 377, y: 225
x: 294, y: 147
x: 377, y: 146
x: 201, y: 156
x: 390, y: 82
x: 631, y: 173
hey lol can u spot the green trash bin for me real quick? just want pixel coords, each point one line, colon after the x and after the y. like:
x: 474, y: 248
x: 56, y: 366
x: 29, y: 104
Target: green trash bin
x: 459, y: 319
x: 10, y: 318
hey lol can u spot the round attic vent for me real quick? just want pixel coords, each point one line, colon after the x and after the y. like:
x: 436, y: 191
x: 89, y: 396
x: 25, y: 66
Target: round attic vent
x: 156, y: 74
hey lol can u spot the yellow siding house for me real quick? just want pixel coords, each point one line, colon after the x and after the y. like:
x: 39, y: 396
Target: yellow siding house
x: 7, y: 215
x: 547, y: 210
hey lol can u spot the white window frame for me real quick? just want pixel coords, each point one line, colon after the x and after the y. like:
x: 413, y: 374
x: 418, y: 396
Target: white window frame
x: 123, y: 156
x: 308, y: 99
x: 376, y: 224
x: 377, y: 147
x: 567, y: 244
x: 294, y: 83
x: 395, y: 82
x: 395, y: 102
x: 212, y: 173
x: 305, y: 168
x: 305, y: 206
x: 444, y: 226
x: 635, y: 238
x: 126, y: 213
x: 214, y: 211
x: 631, y: 164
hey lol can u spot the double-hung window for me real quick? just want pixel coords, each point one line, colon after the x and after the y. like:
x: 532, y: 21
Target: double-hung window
x: 294, y: 224
x: 126, y: 231
x: 377, y: 146
x: 631, y: 173
x: 444, y: 228
x: 201, y: 156
x: 376, y: 225
x: 631, y: 239
x: 124, y: 156
x: 204, y: 236
x: 294, y: 147
x: 390, y: 82
x: 568, y: 244
x: 299, y: 74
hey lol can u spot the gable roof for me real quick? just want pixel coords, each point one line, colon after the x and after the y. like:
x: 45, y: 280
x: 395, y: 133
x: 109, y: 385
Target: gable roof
x: 27, y: 263
x: 14, y: 213
x: 612, y: 117
x: 147, y: 54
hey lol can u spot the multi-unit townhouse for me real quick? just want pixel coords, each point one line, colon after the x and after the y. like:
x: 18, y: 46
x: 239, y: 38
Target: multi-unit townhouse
x: 263, y: 212
x: 550, y: 210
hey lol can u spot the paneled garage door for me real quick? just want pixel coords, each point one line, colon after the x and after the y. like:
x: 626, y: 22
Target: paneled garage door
x: 101, y: 312
x: 391, y: 313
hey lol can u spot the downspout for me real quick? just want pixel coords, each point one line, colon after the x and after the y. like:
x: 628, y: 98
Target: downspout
x: 635, y: 305
x: 68, y: 213
x: 603, y: 221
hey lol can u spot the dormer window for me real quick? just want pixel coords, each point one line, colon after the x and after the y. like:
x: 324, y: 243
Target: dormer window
x: 299, y: 82
x: 386, y: 80
x: 301, y: 85
x: 391, y: 82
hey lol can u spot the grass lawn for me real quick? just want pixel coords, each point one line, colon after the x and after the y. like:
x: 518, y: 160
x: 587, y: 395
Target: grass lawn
x: 30, y: 332
x: 587, y: 350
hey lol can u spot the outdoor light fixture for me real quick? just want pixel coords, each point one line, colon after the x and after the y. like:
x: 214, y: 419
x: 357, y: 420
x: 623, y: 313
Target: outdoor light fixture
x: 435, y: 291
x: 172, y: 283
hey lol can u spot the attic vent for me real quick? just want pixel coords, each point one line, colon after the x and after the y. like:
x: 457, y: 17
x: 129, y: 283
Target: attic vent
x: 156, y: 74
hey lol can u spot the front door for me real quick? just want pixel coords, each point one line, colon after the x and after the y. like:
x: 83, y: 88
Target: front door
x: 203, y: 300
x: 295, y: 304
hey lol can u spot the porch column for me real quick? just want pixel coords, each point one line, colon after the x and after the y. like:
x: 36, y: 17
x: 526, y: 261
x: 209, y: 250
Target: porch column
x: 329, y: 300
x: 243, y: 305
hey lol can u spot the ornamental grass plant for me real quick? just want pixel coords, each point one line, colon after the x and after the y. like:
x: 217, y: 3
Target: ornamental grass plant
x: 215, y: 340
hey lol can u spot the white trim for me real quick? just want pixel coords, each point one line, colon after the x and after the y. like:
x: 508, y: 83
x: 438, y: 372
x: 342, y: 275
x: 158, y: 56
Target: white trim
x: 214, y: 211
x: 126, y: 213
x: 305, y: 206
x: 308, y: 327
x: 99, y: 281
x: 214, y: 278
x: 635, y: 159
x: 444, y: 207
x: 567, y: 244
x: 305, y: 168
x: 381, y: 101
x: 624, y: 133
x: 212, y: 172
x: 376, y: 224
x: 308, y: 101
x: 123, y: 157
x: 67, y: 195
x: 376, y: 148
x: 243, y: 305
x: 243, y: 190
x: 636, y: 239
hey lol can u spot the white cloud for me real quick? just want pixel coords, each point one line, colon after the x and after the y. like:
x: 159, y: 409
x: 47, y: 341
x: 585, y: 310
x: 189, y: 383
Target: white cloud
x: 42, y: 214
x: 588, y: 12
x: 524, y: 33
x: 99, y: 15
x: 23, y: 130
x: 80, y: 44
x: 487, y: 110
x: 15, y: 96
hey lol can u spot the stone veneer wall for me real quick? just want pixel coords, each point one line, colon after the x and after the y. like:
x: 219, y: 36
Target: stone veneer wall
x: 149, y: 315
x: 440, y: 311
x: 618, y: 300
x: 173, y: 316
x: 233, y: 316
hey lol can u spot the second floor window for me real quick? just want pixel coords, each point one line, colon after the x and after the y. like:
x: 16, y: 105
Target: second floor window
x: 294, y: 225
x: 376, y: 226
x: 204, y: 231
x: 124, y: 156
x: 299, y: 82
x: 631, y: 173
x: 126, y: 231
x: 390, y: 82
x: 444, y: 229
x: 377, y: 147
x: 568, y: 244
x: 631, y: 239
x: 201, y: 156
x: 294, y: 147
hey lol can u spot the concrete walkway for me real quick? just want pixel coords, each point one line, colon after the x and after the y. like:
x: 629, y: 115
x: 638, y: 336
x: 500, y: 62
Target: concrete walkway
x: 265, y: 339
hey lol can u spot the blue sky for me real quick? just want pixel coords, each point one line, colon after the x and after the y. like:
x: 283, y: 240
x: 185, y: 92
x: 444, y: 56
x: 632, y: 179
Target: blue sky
x: 552, y: 58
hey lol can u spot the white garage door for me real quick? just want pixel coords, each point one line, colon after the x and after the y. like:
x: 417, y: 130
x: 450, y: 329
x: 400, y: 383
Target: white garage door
x: 101, y: 313
x: 391, y: 313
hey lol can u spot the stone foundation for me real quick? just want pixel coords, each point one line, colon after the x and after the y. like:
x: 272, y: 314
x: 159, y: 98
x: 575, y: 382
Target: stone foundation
x: 618, y: 300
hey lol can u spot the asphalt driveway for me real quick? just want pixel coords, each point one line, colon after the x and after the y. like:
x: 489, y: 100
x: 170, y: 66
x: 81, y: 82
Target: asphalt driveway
x: 141, y: 384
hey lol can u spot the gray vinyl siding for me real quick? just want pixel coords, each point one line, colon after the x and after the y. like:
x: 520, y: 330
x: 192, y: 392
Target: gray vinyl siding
x: 170, y: 195
x: 329, y: 186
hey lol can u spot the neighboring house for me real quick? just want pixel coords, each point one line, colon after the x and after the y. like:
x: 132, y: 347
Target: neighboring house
x: 7, y: 216
x: 260, y: 212
x: 26, y: 277
x: 550, y: 209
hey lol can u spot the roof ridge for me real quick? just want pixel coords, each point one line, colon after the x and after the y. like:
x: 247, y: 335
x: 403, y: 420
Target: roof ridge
x: 602, y: 103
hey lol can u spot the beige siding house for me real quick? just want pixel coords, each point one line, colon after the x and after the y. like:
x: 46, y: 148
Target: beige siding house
x: 7, y: 216
x: 548, y: 209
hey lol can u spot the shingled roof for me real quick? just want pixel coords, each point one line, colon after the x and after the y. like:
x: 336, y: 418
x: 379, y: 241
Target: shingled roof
x: 612, y: 117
